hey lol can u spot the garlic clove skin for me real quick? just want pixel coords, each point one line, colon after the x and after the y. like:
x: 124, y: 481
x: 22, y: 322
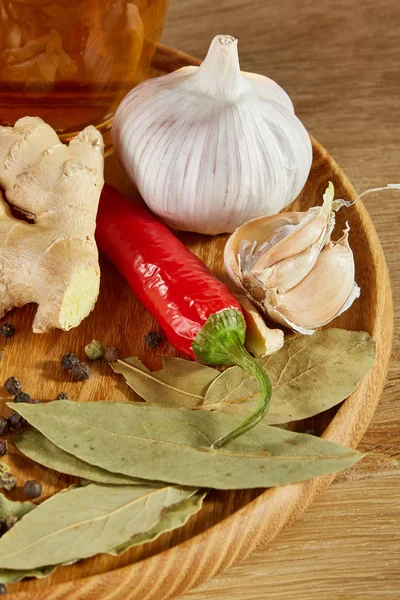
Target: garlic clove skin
x: 292, y: 239
x: 327, y: 291
x: 210, y: 147
x: 245, y: 240
x: 264, y: 244
x: 289, y: 272
x: 260, y: 339
x: 290, y: 269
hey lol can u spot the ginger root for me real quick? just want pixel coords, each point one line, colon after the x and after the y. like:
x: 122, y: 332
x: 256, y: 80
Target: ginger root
x: 54, y: 260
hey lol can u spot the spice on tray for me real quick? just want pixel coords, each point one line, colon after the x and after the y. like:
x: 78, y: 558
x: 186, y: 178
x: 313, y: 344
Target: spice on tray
x: 22, y: 397
x: 80, y: 371
x: 15, y: 421
x: 69, y: 360
x: 3, y: 426
x: 258, y: 152
x: 8, y: 482
x: 94, y: 350
x: 12, y: 385
x: 290, y: 268
x: 3, y: 447
x: 53, y: 261
x: 32, y: 489
x: 153, y: 339
x: 7, y: 330
x: 195, y: 310
x: 62, y: 396
x: 112, y: 354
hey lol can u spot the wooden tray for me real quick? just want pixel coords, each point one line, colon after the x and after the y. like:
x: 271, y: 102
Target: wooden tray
x: 231, y: 523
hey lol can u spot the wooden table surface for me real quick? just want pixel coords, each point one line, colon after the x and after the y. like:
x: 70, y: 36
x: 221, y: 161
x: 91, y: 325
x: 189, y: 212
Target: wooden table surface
x: 338, y: 60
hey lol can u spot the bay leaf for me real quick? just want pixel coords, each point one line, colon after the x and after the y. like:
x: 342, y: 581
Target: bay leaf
x: 15, y: 575
x: 11, y: 508
x: 172, y: 518
x: 309, y: 375
x: 37, y: 447
x: 179, y: 383
x: 174, y: 444
x: 85, y: 521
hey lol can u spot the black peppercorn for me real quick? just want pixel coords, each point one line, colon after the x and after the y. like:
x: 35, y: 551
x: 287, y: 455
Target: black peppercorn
x: 3, y: 426
x: 3, y: 589
x: 22, y: 397
x: 62, y: 396
x: 3, y: 447
x: 34, y: 401
x: 12, y: 385
x: 111, y: 354
x: 8, y: 482
x: 69, y: 360
x: 32, y: 489
x: 81, y: 371
x: 153, y: 338
x: 15, y: 421
x: 7, y: 330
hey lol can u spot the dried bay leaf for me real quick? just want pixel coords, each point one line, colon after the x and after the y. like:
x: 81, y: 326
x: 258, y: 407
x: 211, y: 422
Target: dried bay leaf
x: 37, y: 447
x: 10, y: 508
x: 170, y: 444
x: 15, y: 575
x: 172, y: 518
x: 309, y: 375
x: 85, y: 521
x: 179, y: 383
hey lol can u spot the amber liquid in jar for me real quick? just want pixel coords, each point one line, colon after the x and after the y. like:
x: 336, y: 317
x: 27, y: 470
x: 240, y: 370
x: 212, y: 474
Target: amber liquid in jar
x: 71, y: 62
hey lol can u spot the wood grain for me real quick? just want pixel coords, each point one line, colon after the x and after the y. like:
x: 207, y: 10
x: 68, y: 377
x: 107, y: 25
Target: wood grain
x: 233, y: 522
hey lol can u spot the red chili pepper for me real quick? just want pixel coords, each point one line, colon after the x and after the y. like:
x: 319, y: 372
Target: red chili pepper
x: 197, y: 312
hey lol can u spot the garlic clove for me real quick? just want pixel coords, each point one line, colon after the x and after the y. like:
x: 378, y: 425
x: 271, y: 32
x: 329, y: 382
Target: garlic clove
x: 295, y: 238
x: 289, y: 272
x: 260, y: 339
x: 261, y: 243
x: 252, y: 232
x: 327, y: 291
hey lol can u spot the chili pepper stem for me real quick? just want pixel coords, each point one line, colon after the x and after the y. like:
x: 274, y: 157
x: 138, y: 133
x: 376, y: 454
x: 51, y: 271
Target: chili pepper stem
x: 220, y: 341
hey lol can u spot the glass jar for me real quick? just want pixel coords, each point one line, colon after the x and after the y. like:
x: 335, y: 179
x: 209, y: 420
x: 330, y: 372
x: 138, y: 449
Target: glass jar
x: 70, y: 62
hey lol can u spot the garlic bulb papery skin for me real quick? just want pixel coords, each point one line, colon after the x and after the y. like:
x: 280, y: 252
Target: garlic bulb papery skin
x: 211, y: 147
x: 288, y: 266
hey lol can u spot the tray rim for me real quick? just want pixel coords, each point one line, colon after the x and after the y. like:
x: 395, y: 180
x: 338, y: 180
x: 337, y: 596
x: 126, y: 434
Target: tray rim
x: 264, y: 517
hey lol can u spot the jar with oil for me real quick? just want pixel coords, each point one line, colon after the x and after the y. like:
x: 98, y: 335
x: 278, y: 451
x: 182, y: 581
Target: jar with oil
x: 70, y: 62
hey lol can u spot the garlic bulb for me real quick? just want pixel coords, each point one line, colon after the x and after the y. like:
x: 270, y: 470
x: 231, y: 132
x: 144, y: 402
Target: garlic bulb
x: 290, y: 269
x: 211, y: 147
